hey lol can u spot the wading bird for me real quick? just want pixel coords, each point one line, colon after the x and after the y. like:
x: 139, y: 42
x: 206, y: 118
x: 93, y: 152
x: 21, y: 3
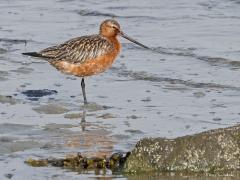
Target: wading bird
x: 86, y: 55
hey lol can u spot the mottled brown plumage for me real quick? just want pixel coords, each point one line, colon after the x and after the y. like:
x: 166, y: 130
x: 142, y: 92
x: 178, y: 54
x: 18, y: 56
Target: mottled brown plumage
x: 86, y: 55
x: 83, y: 56
x: 79, y: 49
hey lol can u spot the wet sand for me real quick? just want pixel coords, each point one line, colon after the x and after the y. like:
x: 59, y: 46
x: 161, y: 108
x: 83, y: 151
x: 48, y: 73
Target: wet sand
x: 190, y: 86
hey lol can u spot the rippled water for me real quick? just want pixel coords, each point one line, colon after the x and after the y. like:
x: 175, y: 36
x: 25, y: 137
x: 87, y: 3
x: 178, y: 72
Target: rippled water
x: 190, y: 86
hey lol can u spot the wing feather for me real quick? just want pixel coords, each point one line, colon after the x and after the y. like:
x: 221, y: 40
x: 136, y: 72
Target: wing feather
x: 78, y: 50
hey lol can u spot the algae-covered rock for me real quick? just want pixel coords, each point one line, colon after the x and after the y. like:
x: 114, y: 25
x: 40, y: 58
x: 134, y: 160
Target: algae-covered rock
x: 80, y: 163
x: 211, y: 151
x: 36, y: 163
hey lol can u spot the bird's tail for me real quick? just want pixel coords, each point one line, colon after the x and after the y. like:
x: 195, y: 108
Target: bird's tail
x: 33, y: 54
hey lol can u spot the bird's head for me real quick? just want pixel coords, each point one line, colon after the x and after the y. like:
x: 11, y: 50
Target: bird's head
x: 111, y: 28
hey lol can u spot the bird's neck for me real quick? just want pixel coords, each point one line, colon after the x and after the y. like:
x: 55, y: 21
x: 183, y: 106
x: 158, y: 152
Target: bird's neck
x: 115, y: 42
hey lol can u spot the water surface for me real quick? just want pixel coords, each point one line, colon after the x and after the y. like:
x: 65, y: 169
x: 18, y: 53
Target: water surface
x: 191, y: 86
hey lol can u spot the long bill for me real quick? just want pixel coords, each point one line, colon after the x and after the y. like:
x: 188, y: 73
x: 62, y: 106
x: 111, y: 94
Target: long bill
x: 132, y: 40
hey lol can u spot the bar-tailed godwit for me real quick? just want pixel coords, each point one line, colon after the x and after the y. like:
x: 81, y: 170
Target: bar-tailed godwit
x: 86, y: 55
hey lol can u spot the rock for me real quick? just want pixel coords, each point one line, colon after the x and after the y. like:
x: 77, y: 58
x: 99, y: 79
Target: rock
x: 211, y: 151
x: 79, y: 162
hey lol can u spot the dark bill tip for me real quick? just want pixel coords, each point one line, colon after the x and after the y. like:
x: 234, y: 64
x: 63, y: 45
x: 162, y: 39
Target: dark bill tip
x: 132, y: 40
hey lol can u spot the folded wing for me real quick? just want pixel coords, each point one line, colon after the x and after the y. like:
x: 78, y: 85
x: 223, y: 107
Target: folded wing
x: 78, y: 50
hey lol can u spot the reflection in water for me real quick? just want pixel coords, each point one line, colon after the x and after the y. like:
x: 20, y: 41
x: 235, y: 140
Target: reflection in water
x: 95, y: 140
x: 83, y: 120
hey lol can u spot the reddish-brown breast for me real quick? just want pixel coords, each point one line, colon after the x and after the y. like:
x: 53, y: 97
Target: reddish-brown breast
x: 90, y: 66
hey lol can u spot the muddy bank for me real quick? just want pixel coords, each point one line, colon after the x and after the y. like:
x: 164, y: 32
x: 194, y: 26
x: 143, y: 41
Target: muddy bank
x: 215, y: 151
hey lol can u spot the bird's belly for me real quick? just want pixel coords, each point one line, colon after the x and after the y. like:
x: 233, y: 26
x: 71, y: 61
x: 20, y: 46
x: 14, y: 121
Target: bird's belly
x: 88, y: 68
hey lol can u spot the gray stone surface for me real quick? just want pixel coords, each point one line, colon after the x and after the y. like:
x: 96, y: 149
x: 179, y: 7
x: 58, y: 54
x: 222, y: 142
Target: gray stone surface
x: 211, y: 151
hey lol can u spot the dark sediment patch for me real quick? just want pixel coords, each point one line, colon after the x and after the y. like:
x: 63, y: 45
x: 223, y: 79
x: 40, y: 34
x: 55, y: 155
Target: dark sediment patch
x: 14, y: 41
x: 95, y: 13
x: 86, y: 12
x: 39, y: 93
x: 133, y: 117
x: 153, y: 78
x: 134, y: 131
x: 9, y: 175
x: 217, y: 119
x: 147, y: 99
x: 235, y: 2
x: 208, y: 5
x: 34, y: 95
x: 121, y: 136
x: 218, y: 61
x: 213, y: 61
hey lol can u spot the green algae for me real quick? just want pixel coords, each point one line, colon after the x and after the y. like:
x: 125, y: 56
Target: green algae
x: 81, y: 163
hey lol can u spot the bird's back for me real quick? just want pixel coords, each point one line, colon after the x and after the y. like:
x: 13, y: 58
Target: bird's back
x: 79, y: 50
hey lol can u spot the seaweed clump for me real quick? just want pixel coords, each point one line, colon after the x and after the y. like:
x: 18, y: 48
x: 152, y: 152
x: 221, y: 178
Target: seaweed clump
x: 80, y: 163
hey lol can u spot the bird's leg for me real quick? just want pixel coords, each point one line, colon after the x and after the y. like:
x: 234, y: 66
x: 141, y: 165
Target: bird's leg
x: 83, y: 91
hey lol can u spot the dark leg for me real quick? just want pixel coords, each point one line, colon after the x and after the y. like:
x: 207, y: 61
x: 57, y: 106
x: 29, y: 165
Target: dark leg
x: 83, y: 91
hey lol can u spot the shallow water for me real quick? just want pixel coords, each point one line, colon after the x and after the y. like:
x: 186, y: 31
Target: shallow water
x: 191, y: 86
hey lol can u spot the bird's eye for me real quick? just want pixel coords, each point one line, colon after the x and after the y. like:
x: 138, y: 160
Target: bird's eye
x: 114, y: 27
